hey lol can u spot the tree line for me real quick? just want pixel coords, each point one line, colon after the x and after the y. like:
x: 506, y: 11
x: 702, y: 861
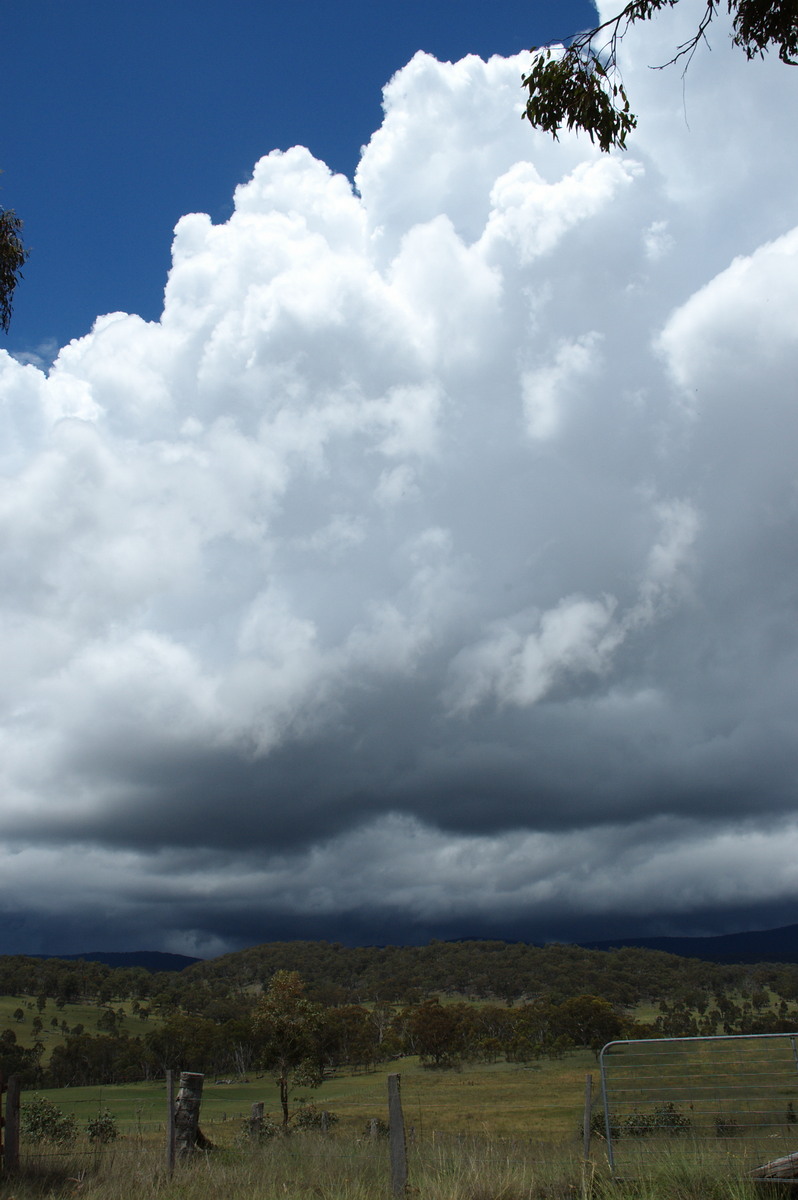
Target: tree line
x: 336, y: 975
x: 286, y: 1031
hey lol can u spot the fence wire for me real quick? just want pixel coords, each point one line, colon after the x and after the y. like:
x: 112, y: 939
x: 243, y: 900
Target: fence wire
x: 511, y: 1126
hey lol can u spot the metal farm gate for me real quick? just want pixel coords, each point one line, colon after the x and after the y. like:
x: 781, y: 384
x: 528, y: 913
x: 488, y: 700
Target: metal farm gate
x: 734, y: 1096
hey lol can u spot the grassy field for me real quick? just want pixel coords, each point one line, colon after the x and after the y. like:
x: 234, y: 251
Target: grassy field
x: 315, y: 1167
x: 541, y: 1100
x: 497, y: 1131
x: 488, y: 1132
x: 86, y: 1015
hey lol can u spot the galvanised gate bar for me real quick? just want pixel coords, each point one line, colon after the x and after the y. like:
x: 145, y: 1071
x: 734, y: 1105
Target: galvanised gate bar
x: 731, y: 1096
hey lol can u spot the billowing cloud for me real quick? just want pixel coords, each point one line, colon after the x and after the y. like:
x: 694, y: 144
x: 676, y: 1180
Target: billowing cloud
x: 429, y: 567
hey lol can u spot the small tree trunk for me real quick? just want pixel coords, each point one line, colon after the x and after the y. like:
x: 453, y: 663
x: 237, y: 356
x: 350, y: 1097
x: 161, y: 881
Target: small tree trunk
x: 284, y: 1097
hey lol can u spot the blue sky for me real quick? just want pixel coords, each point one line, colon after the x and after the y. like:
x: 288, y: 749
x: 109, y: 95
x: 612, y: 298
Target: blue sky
x: 121, y: 118
x: 417, y: 557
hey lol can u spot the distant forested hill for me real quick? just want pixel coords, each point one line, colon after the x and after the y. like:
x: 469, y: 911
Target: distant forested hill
x: 150, y: 960
x: 763, y: 945
x: 484, y: 970
x: 510, y: 972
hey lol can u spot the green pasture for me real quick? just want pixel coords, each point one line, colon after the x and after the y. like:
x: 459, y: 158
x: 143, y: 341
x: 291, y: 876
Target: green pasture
x: 538, y: 1100
x: 487, y: 1132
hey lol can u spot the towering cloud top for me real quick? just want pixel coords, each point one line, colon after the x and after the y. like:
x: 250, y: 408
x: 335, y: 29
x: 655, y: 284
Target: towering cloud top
x: 429, y: 566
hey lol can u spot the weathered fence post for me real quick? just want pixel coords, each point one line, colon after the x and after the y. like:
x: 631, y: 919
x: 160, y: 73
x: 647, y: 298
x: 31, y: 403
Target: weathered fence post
x: 373, y: 1128
x: 396, y: 1133
x: 256, y: 1119
x: 11, y: 1141
x: 170, y: 1123
x: 324, y: 1123
x: 586, y: 1130
x: 187, y: 1112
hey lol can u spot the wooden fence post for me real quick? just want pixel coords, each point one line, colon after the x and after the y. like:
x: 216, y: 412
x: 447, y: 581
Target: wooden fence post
x: 396, y: 1133
x: 170, y: 1123
x: 187, y: 1112
x: 11, y: 1144
x: 586, y: 1130
x: 587, y: 1183
x: 256, y: 1120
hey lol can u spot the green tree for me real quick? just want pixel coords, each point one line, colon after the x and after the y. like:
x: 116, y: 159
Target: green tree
x: 107, y: 1020
x: 13, y: 257
x: 581, y: 87
x: 436, y: 1032
x: 588, y: 1021
x: 349, y: 1037
x: 184, y: 1043
x: 15, y: 1059
x: 288, y: 1027
x: 84, y: 1059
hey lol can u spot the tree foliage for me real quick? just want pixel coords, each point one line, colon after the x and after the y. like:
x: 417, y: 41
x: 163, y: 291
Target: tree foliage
x: 13, y: 256
x: 43, y: 1121
x: 580, y: 87
x: 288, y: 1027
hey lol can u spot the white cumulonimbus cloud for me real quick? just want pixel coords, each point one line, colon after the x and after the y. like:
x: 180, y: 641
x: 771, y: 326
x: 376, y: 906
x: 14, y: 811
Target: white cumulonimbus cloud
x: 430, y: 565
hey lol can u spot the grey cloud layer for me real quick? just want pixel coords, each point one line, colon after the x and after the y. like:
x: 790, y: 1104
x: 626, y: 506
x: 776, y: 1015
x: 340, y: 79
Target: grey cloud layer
x: 431, y: 564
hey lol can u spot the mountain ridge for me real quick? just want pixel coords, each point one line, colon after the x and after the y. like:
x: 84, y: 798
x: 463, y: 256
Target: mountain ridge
x: 151, y: 960
x: 753, y: 946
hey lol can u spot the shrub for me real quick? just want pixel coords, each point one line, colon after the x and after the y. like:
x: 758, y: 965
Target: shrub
x: 259, y: 1129
x: 667, y: 1119
x: 102, y: 1128
x: 310, y: 1117
x: 726, y: 1126
x: 43, y: 1121
x: 638, y: 1124
x: 598, y: 1126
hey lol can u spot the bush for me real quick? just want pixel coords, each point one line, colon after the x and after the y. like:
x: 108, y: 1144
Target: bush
x: 102, y: 1128
x: 667, y: 1119
x: 726, y: 1126
x: 43, y: 1121
x: 598, y: 1126
x: 259, y: 1129
x: 310, y: 1117
x: 638, y: 1124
